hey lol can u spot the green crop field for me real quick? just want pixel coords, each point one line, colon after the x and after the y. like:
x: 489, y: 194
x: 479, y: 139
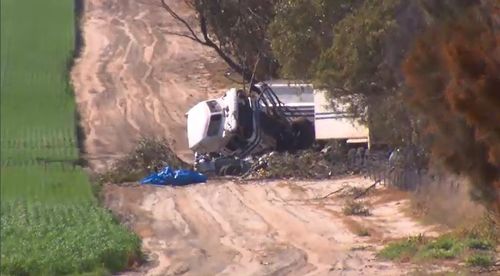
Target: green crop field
x: 51, y: 223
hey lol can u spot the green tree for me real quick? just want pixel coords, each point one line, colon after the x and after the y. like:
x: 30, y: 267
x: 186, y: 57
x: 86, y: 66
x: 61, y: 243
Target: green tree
x: 302, y: 29
x: 237, y: 31
x: 354, y: 62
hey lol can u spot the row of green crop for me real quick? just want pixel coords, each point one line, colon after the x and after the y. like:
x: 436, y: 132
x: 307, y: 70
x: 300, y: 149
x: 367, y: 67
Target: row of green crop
x: 56, y: 239
x: 38, y: 144
x: 51, y: 223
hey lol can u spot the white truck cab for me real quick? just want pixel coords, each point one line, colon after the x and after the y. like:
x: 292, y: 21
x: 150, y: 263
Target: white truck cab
x: 211, y: 123
x: 283, y: 116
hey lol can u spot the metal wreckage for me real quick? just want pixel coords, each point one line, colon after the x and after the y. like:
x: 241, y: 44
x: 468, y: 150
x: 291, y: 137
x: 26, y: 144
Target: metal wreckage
x: 273, y: 125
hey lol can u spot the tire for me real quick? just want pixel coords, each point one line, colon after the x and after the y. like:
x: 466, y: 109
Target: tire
x: 230, y: 170
x: 304, y: 133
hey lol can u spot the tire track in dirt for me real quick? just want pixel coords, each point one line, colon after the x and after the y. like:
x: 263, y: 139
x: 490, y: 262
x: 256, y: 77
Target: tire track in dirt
x: 276, y: 228
x: 229, y: 238
x: 132, y: 79
x: 293, y: 229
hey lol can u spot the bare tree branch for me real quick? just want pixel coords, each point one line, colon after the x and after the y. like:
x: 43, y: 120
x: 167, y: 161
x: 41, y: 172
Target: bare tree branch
x: 367, y: 189
x: 180, y: 19
x: 237, y: 67
x: 181, y: 35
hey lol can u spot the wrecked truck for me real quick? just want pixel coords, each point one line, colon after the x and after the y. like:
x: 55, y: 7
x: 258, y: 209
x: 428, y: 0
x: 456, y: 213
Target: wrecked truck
x: 225, y: 133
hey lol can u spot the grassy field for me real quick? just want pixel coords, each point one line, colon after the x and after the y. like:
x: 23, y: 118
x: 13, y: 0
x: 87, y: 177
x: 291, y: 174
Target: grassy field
x: 50, y: 220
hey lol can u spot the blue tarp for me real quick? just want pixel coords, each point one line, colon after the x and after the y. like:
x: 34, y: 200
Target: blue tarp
x: 167, y: 176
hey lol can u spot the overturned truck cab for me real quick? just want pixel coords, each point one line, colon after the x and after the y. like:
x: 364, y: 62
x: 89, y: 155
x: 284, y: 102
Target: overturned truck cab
x: 224, y: 128
x: 282, y: 116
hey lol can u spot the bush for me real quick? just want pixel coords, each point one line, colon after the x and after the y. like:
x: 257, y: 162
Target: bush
x: 471, y: 247
x: 402, y: 249
x: 355, y: 208
x: 353, y: 192
x: 479, y: 244
x: 149, y: 155
x: 363, y: 232
x: 445, y: 247
x: 480, y: 260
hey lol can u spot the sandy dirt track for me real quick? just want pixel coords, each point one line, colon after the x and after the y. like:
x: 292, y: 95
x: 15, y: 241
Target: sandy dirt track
x: 132, y: 79
x: 271, y: 228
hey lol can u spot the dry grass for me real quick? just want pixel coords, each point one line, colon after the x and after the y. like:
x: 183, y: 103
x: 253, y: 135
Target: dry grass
x: 390, y: 194
x: 356, y: 208
x: 447, y: 202
x: 352, y: 191
x: 149, y: 155
x: 357, y: 228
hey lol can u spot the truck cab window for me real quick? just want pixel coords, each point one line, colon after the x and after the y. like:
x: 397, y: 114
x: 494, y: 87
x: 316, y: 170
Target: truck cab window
x: 245, y: 118
x: 214, y: 126
x: 213, y: 106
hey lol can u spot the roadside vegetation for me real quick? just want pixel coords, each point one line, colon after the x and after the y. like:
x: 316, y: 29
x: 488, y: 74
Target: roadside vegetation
x: 150, y: 154
x: 426, y: 71
x: 473, y: 245
x: 355, y: 208
x: 51, y: 223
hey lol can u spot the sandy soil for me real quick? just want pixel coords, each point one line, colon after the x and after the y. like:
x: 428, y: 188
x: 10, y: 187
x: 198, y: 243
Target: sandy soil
x: 271, y: 228
x: 132, y: 79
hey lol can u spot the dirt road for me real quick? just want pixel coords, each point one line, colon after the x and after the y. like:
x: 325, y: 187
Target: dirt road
x: 272, y: 228
x: 133, y: 79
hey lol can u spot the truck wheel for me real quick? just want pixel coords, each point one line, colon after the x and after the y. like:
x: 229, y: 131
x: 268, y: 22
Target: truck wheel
x: 304, y: 133
x: 230, y: 170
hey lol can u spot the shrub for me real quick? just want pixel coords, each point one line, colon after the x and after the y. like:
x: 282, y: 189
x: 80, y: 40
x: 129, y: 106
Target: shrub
x: 402, y: 249
x: 149, y: 155
x: 445, y: 247
x: 355, y: 208
x: 363, y: 232
x: 479, y: 244
x: 480, y: 260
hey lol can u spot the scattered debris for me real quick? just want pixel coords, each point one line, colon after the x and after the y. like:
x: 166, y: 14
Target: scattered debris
x: 308, y: 164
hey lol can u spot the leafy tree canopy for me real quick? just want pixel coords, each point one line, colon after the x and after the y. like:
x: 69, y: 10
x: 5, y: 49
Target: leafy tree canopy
x: 354, y: 60
x: 241, y: 30
x: 302, y: 29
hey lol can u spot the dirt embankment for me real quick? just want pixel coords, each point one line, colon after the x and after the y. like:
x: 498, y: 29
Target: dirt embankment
x: 272, y: 228
x: 132, y: 79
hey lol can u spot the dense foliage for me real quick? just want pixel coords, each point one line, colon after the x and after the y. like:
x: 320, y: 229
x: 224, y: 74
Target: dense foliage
x: 51, y: 223
x: 241, y: 31
x: 454, y: 71
x: 354, y: 61
x: 301, y: 30
x: 355, y: 50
